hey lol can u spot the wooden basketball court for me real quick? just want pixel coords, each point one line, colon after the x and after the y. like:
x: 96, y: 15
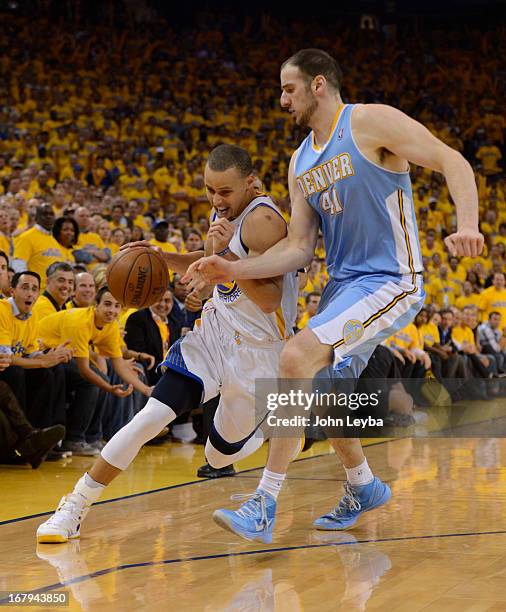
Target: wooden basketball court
x: 439, y: 544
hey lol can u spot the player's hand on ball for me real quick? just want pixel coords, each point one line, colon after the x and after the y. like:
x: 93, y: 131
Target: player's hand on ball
x: 208, y: 271
x: 142, y: 243
x: 220, y: 233
x: 120, y: 391
x: 465, y: 243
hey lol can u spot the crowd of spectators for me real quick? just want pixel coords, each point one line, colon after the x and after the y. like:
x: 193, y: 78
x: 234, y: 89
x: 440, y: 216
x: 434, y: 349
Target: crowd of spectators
x: 103, y: 140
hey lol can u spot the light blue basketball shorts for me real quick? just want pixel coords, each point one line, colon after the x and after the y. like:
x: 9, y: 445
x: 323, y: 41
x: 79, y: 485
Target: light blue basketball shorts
x: 355, y: 316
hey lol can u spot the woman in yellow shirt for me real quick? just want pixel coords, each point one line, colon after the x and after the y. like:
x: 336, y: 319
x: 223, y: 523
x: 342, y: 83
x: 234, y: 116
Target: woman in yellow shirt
x: 66, y: 233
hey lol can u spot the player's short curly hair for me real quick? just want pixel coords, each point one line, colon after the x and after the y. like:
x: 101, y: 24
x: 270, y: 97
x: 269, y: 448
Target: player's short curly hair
x: 312, y: 62
x: 226, y: 156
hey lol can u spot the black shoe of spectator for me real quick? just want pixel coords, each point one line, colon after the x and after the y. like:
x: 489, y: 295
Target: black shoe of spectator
x: 308, y: 443
x: 56, y: 454
x: 206, y: 471
x: 38, y: 443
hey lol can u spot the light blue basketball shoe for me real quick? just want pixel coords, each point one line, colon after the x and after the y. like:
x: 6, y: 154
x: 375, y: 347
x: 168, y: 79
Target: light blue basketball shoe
x: 355, y: 501
x: 254, y: 520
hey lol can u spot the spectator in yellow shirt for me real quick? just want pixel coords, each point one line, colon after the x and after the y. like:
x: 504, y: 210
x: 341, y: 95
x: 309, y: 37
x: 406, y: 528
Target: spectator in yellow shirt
x: 36, y: 249
x: 4, y: 275
x: 429, y: 246
x: 59, y: 288
x: 37, y: 383
x: 312, y: 302
x: 489, y: 155
x: 66, y: 233
x: 468, y: 297
x: 493, y: 299
x: 90, y: 248
x: 85, y: 292
x: 161, y: 231
x: 82, y: 327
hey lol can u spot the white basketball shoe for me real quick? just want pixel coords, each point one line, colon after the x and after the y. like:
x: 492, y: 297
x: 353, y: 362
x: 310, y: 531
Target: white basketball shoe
x: 65, y: 523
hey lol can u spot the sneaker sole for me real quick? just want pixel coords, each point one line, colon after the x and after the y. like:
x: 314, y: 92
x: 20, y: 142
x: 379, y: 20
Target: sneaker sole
x: 223, y: 522
x: 54, y: 538
x: 383, y: 500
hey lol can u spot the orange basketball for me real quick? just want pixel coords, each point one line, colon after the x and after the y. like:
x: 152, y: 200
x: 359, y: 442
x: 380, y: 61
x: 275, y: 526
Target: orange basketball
x: 137, y: 277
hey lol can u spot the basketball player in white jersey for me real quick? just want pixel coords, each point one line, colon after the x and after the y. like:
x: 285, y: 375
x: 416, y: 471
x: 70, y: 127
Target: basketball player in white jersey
x: 239, y: 337
x: 349, y: 177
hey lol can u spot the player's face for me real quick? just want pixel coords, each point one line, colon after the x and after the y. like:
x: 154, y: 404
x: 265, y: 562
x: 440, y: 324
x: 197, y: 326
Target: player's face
x: 228, y: 192
x: 61, y: 285
x: 108, y: 310
x: 297, y: 97
x: 26, y: 293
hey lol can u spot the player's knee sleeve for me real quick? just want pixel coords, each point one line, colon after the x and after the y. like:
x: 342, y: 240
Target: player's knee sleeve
x: 182, y: 392
x: 123, y: 447
x: 220, y: 452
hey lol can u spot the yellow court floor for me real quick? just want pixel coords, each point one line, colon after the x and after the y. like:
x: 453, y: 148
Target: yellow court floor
x: 439, y: 544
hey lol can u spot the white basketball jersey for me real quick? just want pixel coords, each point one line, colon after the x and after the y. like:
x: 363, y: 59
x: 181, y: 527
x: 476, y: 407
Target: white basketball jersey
x: 243, y: 315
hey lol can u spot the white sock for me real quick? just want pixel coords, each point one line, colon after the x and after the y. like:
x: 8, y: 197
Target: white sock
x: 359, y: 475
x: 88, y: 489
x: 271, y: 482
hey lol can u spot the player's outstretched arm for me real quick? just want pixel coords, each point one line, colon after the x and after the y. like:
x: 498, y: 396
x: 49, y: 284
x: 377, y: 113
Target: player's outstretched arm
x: 177, y: 262
x: 378, y: 126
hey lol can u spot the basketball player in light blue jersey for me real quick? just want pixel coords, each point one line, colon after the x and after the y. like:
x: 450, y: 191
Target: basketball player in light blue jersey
x: 350, y: 177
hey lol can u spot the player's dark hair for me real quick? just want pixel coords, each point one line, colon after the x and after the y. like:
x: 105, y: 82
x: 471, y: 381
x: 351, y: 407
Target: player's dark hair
x: 4, y: 255
x: 18, y: 275
x: 312, y: 62
x: 494, y: 312
x: 227, y: 156
x: 58, y: 266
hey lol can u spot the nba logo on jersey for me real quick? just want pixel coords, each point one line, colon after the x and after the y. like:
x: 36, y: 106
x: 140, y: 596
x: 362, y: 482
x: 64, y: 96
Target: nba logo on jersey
x: 340, y: 133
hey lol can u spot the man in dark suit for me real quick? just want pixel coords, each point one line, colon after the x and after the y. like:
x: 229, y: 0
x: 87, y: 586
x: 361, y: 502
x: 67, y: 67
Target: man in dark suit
x: 152, y: 330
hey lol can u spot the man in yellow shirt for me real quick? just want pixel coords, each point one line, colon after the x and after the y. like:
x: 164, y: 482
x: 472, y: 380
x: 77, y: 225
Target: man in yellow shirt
x: 463, y: 339
x: 36, y: 249
x: 161, y: 231
x: 34, y: 376
x: 59, y: 288
x: 312, y: 301
x: 82, y: 327
x: 429, y: 246
x: 90, y: 248
x: 493, y: 299
x: 468, y: 297
x: 4, y: 275
x: 85, y: 291
x: 407, y: 342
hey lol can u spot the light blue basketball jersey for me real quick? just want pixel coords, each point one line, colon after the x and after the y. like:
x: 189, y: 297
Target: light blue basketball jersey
x: 366, y: 212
